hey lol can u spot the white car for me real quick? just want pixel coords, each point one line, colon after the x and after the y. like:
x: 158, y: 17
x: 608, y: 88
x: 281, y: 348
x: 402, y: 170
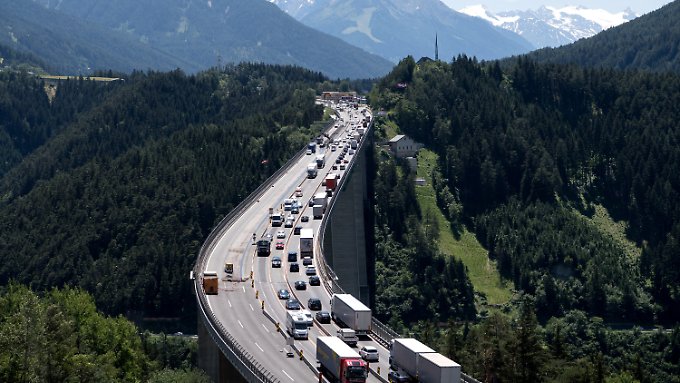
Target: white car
x: 280, y: 234
x: 369, y: 354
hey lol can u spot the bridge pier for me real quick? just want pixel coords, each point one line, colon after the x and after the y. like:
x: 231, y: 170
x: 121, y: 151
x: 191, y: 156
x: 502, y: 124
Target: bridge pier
x: 212, y: 360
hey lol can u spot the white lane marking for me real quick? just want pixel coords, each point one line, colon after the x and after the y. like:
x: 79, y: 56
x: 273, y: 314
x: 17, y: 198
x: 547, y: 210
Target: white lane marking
x: 258, y: 346
x: 241, y: 324
x: 265, y: 327
x: 228, y: 301
x: 289, y: 377
x: 244, y: 289
x: 251, y: 307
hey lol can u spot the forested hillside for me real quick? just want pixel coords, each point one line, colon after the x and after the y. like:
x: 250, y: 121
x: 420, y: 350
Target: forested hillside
x: 525, y: 154
x: 649, y: 42
x: 114, y: 187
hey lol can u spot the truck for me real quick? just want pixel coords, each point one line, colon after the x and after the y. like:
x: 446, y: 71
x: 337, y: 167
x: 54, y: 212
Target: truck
x: 349, y: 311
x: 311, y: 170
x: 361, y: 130
x: 348, y: 336
x: 307, y: 242
x: 264, y: 248
x: 405, y: 354
x: 436, y: 368
x: 353, y: 144
x: 332, y: 181
x: 356, y: 136
x: 319, y: 199
x: 320, y: 161
x: 296, y: 325
x: 277, y: 219
x: 210, y: 282
x: 339, y: 362
x: 317, y: 211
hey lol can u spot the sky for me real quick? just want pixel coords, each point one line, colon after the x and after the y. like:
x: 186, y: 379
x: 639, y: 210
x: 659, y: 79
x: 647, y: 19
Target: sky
x: 638, y: 6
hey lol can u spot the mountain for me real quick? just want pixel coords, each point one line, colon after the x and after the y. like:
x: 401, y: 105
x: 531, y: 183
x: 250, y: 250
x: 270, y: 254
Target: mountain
x: 649, y: 42
x: 205, y: 33
x: 396, y: 28
x: 550, y: 26
x: 72, y: 46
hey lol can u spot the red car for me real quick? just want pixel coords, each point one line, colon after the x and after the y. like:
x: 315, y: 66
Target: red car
x: 279, y: 245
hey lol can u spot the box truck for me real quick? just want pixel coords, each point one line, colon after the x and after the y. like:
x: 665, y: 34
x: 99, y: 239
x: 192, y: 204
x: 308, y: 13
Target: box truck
x: 332, y: 181
x: 339, y: 362
x: 307, y: 242
x: 210, y: 282
x: 405, y: 354
x: 347, y: 310
x: 436, y: 368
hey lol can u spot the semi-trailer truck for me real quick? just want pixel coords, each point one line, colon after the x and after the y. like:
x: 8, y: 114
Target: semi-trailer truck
x: 317, y: 211
x: 296, y: 325
x: 436, y: 368
x: 307, y: 242
x: 405, y: 354
x: 339, y: 362
x: 332, y: 181
x: 347, y: 310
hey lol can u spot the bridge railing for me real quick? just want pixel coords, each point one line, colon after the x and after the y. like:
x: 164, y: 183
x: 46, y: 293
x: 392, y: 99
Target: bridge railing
x: 246, y: 365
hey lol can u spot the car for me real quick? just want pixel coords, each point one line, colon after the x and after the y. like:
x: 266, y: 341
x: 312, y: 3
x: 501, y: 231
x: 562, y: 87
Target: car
x: 351, y: 151
x: 294, y: 267
x: 345, y: 161
x: 342, y: 167
x: 289, y: 222
x: 323, y: 317
x: 314, y: 280
x: 398, y: 377
x: 280, y: 245
x: 292, y: 304
x: 292, y: 256
x: 295, y: 209
x: 304, y: 218
x: 315, y: 304
x: 280, y: 234
x: 298, y: 191
x: 300, y: 285
x: 276, y: 262
x: 306, y: 261
x: 311, y: 202
x: 333, y: 148
x: 308, y: 152
x: 310, y: 270
x: 369, y: 354
x: 338, y: 161
x: 283, y: 294
x: 297, y: 229
x: 335, y: 167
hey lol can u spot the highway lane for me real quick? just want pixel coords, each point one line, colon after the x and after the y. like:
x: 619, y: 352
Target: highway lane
x: 237, y: 306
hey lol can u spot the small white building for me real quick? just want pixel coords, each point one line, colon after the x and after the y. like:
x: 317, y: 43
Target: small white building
x: 403, y: 146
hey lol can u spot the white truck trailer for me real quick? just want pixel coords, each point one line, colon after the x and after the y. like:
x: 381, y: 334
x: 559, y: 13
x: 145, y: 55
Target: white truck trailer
x: 347, y: 310
x: 307, y: 242
x: 405, y: 354
x: 436, y: 368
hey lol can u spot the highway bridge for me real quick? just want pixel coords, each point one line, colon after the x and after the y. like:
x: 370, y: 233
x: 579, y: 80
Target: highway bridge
x: 242, y: 335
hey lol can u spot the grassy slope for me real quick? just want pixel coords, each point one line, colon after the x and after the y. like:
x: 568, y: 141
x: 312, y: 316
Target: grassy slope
x: 482, y: 271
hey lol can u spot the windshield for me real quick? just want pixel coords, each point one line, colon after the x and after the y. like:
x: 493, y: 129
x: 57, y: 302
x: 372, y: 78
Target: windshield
x: 356, y: 372
x: 301, y: 326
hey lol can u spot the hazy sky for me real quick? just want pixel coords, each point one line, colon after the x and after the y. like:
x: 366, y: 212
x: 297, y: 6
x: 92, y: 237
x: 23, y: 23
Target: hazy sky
x: 639, y: 6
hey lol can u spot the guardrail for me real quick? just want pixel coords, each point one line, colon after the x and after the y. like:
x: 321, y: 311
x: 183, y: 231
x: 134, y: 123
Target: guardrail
x: 246, y: 365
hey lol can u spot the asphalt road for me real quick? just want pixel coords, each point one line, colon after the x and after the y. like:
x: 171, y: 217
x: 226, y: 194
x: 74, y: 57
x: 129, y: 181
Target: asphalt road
x: 239, y: 309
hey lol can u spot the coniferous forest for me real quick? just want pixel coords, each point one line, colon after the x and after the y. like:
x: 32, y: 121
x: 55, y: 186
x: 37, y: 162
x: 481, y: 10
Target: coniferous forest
x: 113, y: 187
x: 527, y: 153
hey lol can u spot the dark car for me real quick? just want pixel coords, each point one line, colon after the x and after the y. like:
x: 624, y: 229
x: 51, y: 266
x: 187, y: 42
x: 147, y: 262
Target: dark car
x: 323, y: 317
x: 338, y: 161
x: 292, y: 256
x: 314, y: 280
x: 294, y: 267
x: 283, y: 294
x: 306, y: 261
x: 314, y: 304
x: 292, y: 304
x: 300, y: 285
x: 297, y: 230
x: 276, y: 262
x: 304, y: 218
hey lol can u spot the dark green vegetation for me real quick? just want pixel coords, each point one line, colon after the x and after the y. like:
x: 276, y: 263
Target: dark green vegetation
x: 649, y: 42
x: 414, y: 280
x: 519, y: 149
x: 114, y: 187
x: 74, y: 35
x: 60, y: 337
x: 10, y: 59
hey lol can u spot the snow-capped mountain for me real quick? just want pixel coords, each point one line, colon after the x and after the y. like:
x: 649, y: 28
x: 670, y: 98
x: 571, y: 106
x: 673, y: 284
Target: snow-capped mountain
x: 394, y: 29
x: 550, y: 26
